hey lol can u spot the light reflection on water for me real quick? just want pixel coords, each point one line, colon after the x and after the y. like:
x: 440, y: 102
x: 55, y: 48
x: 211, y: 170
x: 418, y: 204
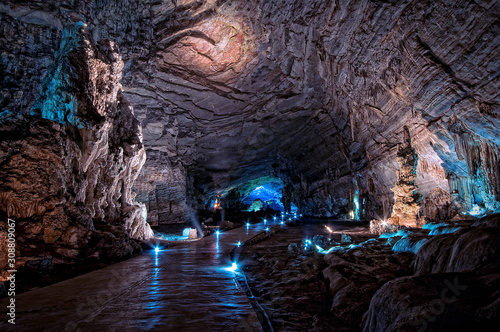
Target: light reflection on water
x: 188, y: 279
x: 154, y: 306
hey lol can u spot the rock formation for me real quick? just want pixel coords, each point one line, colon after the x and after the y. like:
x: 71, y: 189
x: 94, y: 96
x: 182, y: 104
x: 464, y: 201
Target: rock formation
x: 405, y: 211
x: 454, y: 285
x: 67, y: 169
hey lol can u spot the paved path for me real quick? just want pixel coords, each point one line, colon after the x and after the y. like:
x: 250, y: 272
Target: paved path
x: 184, y: 288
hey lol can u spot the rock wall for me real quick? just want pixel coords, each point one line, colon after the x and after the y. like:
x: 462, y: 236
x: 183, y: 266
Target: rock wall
x: 228, y: 92
x: 68, y: 167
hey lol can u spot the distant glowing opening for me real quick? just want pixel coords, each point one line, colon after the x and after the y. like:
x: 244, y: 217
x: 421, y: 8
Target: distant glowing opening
x: 267, y: 193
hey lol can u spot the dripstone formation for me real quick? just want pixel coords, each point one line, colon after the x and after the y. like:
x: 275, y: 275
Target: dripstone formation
x: 68, y: 167
x: 405, y: 211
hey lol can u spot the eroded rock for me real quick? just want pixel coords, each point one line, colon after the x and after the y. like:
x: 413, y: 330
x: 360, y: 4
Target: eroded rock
x: 68, y: 168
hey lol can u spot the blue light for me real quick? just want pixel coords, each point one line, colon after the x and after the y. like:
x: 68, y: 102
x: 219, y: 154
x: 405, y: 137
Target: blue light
x: 157, y: 250
x: 265, y: 221
x: 267, y: 229
x: 232, y: 268
x: 477, y: 211
x: 270, y: 194
x: 238, y: 244
x: 282, y: 222
x: 248, y: 225
x: 274, y: 218
x: 217, y: 232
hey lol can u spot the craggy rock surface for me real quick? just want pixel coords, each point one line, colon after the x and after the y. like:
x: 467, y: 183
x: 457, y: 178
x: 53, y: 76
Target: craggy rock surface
x: 314, y: 92
x: 436, y: 302
x: 355, y: 275
x: 455, y: 285
x: 67, y: 169
x: 468, y: 250
x: 314, y: 292
x: 290, y: 287
x: 406, y: 206
x: 369, y: 286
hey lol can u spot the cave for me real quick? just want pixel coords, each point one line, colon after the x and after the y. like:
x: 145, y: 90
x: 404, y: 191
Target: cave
x: 250, y: 165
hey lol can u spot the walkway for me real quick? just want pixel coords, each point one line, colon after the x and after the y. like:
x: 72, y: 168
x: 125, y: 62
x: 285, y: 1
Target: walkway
x: 184, y: 288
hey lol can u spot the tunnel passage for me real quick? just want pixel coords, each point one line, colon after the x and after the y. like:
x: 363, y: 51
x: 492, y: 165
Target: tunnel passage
x: 247, y: 89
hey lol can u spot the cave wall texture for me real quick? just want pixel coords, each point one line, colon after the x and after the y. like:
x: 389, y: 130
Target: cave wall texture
x: 69, y: 160
x: 315, y: 92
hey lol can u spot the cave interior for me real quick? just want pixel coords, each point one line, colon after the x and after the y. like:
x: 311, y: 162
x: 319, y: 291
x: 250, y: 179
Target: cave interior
x: 343, y: 155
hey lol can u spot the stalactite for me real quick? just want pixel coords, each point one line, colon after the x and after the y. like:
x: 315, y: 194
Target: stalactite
x: 482, y: 161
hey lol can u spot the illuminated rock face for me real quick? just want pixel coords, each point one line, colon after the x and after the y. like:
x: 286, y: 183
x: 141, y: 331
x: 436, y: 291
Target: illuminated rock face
x: 406, y: 199
x: 68, y: 168
x: 315, y: 92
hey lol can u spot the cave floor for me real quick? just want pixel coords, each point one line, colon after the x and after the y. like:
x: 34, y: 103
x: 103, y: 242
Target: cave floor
x: 290, y: 286
x: 183, y: 288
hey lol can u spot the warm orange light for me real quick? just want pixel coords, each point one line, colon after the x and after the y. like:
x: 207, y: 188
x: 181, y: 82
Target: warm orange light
x: 218, y: 48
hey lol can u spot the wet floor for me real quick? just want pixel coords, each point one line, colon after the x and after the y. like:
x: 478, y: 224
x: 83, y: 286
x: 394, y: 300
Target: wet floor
x: 184, y: 288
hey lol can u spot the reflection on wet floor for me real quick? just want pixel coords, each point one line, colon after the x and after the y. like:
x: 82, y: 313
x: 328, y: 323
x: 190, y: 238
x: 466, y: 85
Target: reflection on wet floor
x: 183, y: 288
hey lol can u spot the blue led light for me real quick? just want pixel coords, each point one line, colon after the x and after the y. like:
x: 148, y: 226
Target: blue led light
x: 232, y: 268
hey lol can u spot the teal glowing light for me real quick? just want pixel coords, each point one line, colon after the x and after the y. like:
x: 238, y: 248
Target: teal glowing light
x: 232, y: 268
x: 238, y: 244
x: 248, y: 225
x: 356, y: 205
x: 217, y: 232
x: 327, y: 251
x: 267, y: 229
x: 265, y: 221
x: 157, y: 250
x: 477, y: 211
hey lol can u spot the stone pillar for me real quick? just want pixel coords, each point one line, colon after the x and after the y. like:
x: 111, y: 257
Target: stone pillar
x: 405, y: 211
